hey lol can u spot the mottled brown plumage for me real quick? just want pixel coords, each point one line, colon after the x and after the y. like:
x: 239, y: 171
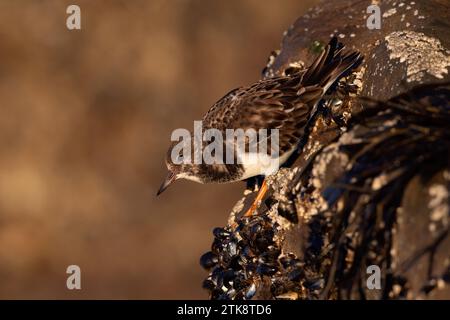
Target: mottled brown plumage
x: 285, y: 103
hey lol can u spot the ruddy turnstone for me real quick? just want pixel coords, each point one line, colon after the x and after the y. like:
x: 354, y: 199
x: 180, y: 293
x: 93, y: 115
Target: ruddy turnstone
x: 286, y: 103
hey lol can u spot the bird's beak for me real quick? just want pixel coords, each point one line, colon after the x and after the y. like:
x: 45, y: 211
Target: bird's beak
x: 171, y: 177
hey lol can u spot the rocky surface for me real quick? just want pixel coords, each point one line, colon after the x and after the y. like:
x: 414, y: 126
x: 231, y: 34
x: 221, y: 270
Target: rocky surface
x: 372, y: 189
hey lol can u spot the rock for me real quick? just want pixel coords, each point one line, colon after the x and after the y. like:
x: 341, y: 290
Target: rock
x: 372, y: 190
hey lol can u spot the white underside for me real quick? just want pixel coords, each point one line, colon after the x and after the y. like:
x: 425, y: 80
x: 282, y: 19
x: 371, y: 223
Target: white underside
x: 262, y: 164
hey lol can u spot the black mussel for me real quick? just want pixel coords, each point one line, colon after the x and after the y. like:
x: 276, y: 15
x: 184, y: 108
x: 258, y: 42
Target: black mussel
x: 250, y: 292
x: 239, y: 281
x: 242, y: 261
x: 217, y: 246
x: 208, y: 285
x: 313, y: 284
x: 268, y: 233
x: 223, y: 296
x: 282, y: 285
x: 287, y: 260
x: 265, y: 269
x: 216, y: 293
x: 241, y: 244
x: 228, y: 277
x: 231, y: 293
x: 240, y: 295
x: 295, y: 275
x: 250, y: 231
x: 216, y: 276
x: 236, y: 262
x: 247, y: 252
x: 232, y: 248
x: 209, y: 260
x: 261, y: 243
x: 255, y: 229
x: 251, y: 268
x: 271, y: 255
x: 221, y: 233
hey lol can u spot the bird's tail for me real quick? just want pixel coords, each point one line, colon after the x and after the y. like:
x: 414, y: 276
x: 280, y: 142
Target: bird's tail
x: 331, y: 65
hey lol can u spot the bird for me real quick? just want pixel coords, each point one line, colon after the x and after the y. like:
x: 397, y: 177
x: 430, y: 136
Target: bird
x: 287, y: 103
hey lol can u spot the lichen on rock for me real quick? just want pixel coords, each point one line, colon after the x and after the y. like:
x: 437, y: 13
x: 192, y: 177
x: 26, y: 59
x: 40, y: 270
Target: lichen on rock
x: 421, y: 54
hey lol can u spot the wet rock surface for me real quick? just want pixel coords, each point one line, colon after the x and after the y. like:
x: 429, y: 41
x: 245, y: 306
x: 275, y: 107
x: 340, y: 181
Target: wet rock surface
x: 370, y: 189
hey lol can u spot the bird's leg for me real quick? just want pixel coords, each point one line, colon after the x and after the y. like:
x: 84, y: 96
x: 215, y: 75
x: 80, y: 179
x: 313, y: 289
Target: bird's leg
x: 258, y: 199
x: 251, y: 185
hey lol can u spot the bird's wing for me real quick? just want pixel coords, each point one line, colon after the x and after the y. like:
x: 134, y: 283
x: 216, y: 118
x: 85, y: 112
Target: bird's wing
x: 285, y: 103
x: 274, y: 103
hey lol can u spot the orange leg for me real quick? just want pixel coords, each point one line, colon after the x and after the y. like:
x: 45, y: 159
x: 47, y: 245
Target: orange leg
x: 257, y: 201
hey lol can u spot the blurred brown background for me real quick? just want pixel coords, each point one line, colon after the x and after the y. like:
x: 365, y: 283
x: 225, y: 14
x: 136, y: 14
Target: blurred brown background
x: 85, y: 121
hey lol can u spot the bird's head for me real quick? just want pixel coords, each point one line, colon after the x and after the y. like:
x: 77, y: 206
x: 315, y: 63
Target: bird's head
x: 179, y: 165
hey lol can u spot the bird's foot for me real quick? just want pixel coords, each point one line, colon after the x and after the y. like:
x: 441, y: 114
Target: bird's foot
x: 259, y: 197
